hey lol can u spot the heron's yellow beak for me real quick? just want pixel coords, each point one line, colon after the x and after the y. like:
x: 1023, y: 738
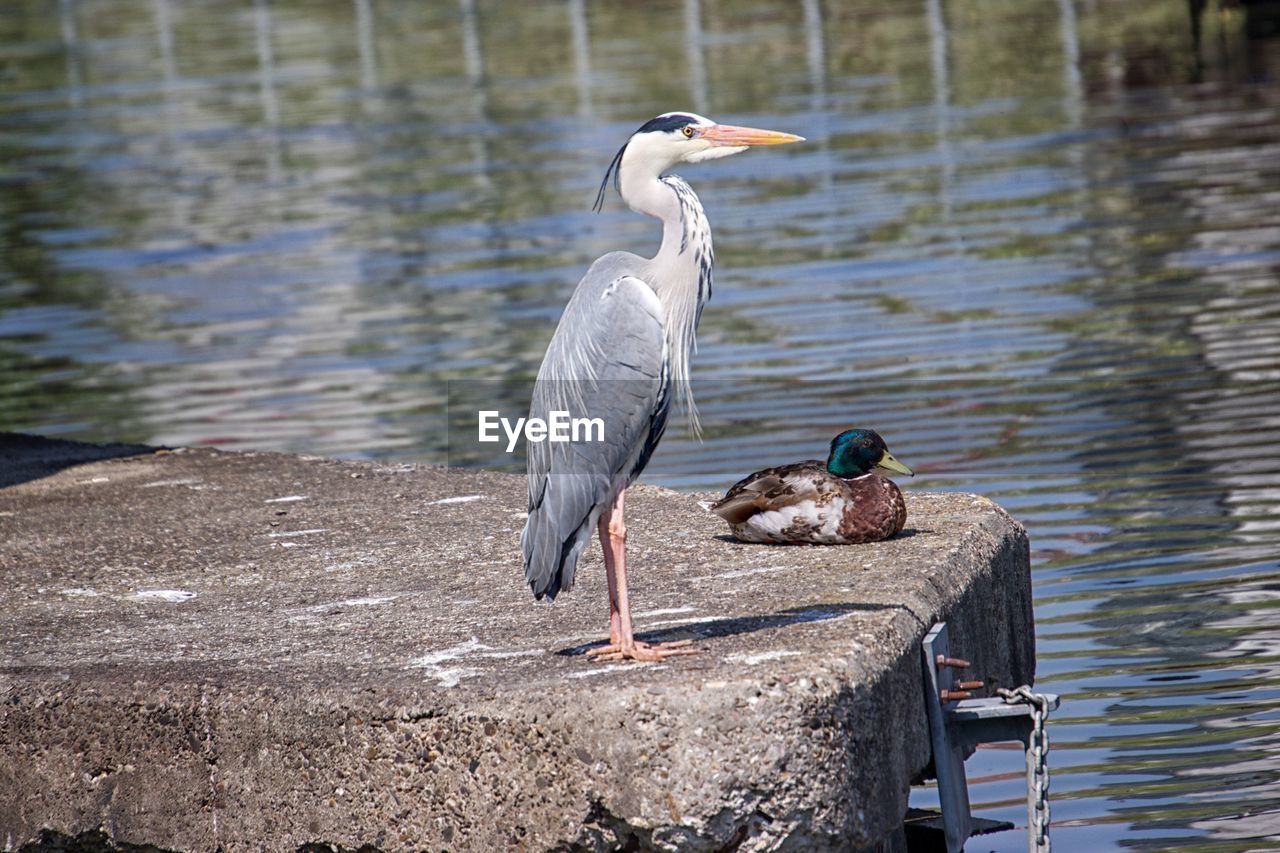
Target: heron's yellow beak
x: 731, y: 136
x: 888, y: 463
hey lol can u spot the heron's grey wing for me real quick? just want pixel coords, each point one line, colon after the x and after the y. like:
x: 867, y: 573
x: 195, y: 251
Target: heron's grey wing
x: 606, y: 361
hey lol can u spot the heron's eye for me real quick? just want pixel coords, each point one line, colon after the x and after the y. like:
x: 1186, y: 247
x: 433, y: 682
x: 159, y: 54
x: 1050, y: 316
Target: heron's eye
x: 687, y: 131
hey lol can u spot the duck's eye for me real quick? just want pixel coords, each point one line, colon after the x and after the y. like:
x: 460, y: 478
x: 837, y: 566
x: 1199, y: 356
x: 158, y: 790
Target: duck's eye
x: 687, y: 131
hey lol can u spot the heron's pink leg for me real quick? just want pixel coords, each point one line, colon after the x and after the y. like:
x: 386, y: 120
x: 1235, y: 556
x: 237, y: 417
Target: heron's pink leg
x: 610, y: 573
x: 622, y: 642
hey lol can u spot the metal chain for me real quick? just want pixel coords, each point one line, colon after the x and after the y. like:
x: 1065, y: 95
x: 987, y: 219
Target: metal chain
x: 1039, y: 747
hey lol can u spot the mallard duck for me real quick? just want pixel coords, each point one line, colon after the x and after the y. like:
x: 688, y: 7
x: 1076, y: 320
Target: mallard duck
x: 843, y: 502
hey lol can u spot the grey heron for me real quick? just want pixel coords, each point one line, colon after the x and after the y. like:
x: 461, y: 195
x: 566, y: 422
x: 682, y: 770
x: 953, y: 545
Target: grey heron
x: 620, y: 354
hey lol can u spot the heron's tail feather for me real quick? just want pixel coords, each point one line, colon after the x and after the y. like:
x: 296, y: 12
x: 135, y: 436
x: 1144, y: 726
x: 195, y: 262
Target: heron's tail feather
x: 551, y: 553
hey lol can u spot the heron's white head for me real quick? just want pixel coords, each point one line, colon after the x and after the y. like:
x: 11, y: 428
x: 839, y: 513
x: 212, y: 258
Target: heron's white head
x: 681, y: 137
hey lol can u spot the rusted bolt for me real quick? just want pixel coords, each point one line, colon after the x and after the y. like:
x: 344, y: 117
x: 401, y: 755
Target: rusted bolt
x: 969, y: 685
x: 958, y: 663
x: 954, y: 695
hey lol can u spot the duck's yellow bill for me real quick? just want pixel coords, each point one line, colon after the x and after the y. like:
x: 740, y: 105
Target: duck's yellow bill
x: 888, y: 463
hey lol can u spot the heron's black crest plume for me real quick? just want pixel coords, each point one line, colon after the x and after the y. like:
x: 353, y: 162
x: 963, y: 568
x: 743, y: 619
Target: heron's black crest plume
x: 669, y: 122
x: 615, y: 170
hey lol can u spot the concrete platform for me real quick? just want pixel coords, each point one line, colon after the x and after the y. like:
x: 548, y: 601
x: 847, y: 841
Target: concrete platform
x: 204, y: 650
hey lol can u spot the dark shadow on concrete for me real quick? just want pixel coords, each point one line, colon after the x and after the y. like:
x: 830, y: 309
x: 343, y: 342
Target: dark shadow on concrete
x: 713, y: 628
x: 97, y: 841
x: 92, y: 841
x: 30, y: 457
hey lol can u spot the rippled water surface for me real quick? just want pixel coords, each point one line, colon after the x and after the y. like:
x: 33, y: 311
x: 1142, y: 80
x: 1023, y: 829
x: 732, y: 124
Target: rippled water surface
x: 1036, y: 244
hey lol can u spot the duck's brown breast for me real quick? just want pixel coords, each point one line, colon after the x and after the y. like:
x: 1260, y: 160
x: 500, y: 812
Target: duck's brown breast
x: 874, y: 510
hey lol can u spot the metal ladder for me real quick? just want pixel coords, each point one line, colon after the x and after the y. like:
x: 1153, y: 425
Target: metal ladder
x: 957, y: 722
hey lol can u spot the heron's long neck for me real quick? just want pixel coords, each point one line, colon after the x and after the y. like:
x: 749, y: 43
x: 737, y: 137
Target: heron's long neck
x: 681, y: 271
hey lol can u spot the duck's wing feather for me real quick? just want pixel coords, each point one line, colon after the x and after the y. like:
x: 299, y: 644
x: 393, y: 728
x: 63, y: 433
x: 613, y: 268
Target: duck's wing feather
x: 770, y: 489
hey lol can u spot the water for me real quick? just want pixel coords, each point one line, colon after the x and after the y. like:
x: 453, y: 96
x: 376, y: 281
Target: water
x: 1036, y: 244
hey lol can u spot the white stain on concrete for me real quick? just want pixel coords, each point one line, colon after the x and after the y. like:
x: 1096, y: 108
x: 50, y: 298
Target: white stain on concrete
x: 598, y: 669
x: 762, y: 657
x: 80, y: 591
x: 439, y: 664
x: 452, y: 676
x: 287, y: 533
x: 367, y: 601
x: 666, y: 611
x: 310, y: 612
x: 190, y: 481
x: 519, y: 653
x: 287, y: 499
x: 451, y: 653
x: 461, y: 499
x: 173, y: 596
x: 449, y: 676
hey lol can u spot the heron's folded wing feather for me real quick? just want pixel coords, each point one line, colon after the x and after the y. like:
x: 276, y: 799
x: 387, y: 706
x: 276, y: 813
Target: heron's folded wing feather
x: 606, y: 362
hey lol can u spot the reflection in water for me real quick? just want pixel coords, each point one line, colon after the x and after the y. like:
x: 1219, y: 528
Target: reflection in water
x: 164, y: 35
x: 941, y: 103
x: 267, y: 87
x: 693, y: 54
x: 581, y: 57
x: 1072, y: 79
x: 1024, y: 243
x: 71, y: 45
x: 364, y: 39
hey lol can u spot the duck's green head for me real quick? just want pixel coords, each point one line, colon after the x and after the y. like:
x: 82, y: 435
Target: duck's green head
x: 855, y: 452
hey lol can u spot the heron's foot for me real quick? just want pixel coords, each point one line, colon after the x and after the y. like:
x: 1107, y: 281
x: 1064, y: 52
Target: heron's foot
x: 642, y: 652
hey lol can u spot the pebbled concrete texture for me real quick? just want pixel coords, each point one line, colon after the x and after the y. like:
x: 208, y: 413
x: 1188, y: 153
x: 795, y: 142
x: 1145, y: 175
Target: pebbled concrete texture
x: 204, y: 650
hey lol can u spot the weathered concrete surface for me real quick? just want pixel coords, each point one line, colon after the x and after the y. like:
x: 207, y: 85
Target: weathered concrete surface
x: 203, y: 650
